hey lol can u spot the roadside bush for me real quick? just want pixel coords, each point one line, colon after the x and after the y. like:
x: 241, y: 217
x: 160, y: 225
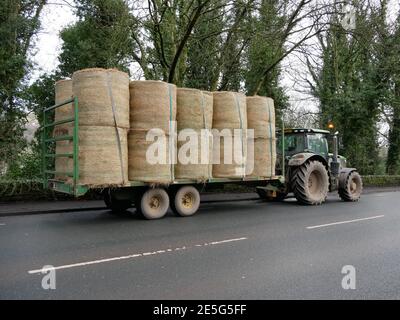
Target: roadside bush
x: 19, y: 189
x: 381, y: 181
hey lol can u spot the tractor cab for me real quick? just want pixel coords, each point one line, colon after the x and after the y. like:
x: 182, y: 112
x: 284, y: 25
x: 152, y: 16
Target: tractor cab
x: 305, y: 141
x: 299, y: 144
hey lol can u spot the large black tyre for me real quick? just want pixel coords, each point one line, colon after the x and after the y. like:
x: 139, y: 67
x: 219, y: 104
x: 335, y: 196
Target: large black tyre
x: 185, y: 201
x: 117, y: 207
x: 352, y: 188
x: 310, y: 183
x: 280, y: 196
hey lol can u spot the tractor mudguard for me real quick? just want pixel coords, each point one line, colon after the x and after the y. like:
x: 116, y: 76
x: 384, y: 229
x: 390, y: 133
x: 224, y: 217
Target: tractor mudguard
x: 300, y: 158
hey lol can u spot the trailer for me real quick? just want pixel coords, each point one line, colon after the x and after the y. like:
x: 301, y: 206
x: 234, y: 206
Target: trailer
x: 183, y: 196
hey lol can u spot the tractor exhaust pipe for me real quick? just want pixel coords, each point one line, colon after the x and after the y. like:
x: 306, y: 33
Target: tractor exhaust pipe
x: 335, y: 163
x: 335, y: 147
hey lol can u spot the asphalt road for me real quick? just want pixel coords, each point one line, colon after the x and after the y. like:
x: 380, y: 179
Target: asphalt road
x: 238, y: 250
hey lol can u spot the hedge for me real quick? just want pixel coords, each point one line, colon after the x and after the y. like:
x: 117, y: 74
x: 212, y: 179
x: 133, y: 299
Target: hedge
x: 381, y: 181
x: 33, y: 189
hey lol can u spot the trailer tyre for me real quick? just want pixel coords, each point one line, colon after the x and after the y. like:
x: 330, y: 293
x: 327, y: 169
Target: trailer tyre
x: 117, y: 207
x: 263, y: 194
x: 352, y: 189
x: 310, y: 183
x: 154, y: 204
x: 186, y: 201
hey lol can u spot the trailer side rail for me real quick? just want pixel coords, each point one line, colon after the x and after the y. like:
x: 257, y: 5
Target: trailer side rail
x: 49, y: 152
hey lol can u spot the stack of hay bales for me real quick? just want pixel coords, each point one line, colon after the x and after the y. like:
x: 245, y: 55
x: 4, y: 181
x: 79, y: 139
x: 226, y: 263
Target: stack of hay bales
x: 230, y: 113
x: 152, y: 106
x: 194, y: 121
x: 262, y: 152
x: 103, y: 97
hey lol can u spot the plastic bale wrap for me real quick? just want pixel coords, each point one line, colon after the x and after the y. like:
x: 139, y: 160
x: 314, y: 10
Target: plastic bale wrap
x: 92, y: 87
x: 152, y: 107
x: 194, y: 118
x: 262, y: 151
x: 230, y: 113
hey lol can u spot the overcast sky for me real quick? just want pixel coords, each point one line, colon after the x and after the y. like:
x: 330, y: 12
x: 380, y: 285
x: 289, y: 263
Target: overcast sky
x: 57, y: 15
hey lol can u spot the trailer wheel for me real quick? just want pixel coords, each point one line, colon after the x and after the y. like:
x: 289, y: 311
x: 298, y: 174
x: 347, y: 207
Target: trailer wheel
x: 154, y: 204
x: 310, y: 183
x: 352, y: 189
x: 263, y: 194
x: 116, y: 206
x: 186, y: 201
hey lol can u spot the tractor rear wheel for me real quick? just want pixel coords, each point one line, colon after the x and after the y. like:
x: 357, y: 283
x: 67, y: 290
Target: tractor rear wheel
x: 310, y: 183
x: 352, y: 189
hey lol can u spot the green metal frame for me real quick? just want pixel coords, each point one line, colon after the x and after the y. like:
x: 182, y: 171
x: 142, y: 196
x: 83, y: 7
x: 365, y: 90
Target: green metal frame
x: 47, y: 138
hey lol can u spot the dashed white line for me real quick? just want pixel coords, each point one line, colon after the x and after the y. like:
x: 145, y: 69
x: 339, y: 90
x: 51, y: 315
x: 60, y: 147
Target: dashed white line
x: 132, y: 256
x: 343, y: 222
x: 2, y: 224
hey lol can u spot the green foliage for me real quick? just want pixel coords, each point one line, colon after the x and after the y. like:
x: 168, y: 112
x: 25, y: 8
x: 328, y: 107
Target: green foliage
x: 26, y: 166
x: 99, y: 39
x: 348, y: 90
x: 19, y: 22
x: 392, y: 70
x: 381, y: 181
x: 10, y: 189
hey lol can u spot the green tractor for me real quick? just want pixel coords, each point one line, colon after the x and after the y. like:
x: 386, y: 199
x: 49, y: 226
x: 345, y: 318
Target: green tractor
x: 310, y: 170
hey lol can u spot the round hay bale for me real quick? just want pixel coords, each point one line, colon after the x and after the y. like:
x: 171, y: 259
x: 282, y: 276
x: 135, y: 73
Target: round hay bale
x: 143, y: 158
x: 152, y: 105
x: 261, y: 155
x: 63, y: 92
x: 194, y: 114
x: 261, y: 158
x: 194, y: 109
x: 271, y: 104
x: 229, y: 151
x: 194, y: 159
x: 91, y: 87
x: 261, y: 116
x: 226, y: 110
x: 99, y: 156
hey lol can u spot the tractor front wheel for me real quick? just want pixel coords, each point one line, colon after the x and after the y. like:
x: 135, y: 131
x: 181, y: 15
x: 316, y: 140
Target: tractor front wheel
x: 310, y: 183
x: 352, y: 188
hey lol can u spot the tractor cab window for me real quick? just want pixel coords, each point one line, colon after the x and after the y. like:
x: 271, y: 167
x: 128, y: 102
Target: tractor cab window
x: 318, y: 144
x: 294, y: 143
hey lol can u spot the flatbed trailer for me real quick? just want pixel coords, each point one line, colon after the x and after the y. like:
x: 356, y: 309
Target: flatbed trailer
x: 182, y: 195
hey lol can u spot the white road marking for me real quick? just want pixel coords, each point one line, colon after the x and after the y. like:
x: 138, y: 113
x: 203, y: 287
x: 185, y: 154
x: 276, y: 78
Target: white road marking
x: 131, y: 256
x: 343, y: 222
x: 2, y: 224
